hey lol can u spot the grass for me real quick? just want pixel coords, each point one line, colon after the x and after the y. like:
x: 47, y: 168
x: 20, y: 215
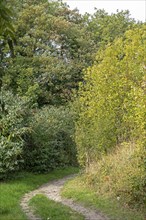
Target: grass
x: 49, y: 209
x: 77, y: 190
x: 12, y: 191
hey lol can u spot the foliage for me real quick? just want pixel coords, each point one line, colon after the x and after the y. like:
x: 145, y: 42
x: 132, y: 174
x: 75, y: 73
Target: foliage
x: 53, y: 210
x: 49, y: 33
x: 13, y: 112
x: 6, y: 32
x: 13, y: 190
x: 49, y: 52
x: 44, y: 63
x: 6, y: 28
x: 111, y: 100
x: 120, y: 175
x: 104, y: 28
x: 50, y: 144
x: 111, y: 107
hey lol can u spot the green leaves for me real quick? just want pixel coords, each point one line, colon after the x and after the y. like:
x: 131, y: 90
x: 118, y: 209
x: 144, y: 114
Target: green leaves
x: 112, y: 99
x: 50, y: 51
x: 110, y: 128
x: 50, y: 143
x: 105, y: 28
x: 6, y: 27
x: 12, y: 128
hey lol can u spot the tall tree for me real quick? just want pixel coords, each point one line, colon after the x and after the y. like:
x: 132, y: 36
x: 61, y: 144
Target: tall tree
x: 53, y: 45
x: 105, y: 28
x: 50, y: 51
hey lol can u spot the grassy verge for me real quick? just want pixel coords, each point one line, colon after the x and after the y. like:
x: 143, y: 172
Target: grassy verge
x: 13, y: 190
x: 77, y: 190
x: 49, y: 209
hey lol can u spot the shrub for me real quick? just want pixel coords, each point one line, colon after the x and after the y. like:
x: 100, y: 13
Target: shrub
x: 121, y: 175
x: 12, y: 128
x: 111, y: 100
x: 111, y: 105
x: 51, y: 143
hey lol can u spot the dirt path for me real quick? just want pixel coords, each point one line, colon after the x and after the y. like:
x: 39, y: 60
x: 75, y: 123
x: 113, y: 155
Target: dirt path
x: 52, y: 191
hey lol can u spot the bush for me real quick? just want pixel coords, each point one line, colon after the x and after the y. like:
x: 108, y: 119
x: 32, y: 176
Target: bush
x: 111, y: 100
x: 51, y: 143
x: 12, y: 127
x: 120, y: 175
x: 111, y: 107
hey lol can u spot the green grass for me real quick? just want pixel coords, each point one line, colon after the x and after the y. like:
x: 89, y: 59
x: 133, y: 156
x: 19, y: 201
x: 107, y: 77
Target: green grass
x: 49, y: 209
x: 12, y: 191
x: 77, y: 190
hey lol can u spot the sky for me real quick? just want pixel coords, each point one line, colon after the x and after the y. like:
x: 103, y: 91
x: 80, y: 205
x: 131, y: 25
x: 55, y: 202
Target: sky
x: 137, y: 8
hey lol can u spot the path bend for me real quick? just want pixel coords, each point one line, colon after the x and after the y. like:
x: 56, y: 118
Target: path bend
x: 52, y: 191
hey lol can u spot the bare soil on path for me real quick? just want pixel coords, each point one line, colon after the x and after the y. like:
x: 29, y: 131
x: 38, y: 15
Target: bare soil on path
x: 52, y: 191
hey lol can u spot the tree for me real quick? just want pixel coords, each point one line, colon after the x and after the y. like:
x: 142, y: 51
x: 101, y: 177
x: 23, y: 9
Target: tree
x: 47, y: 33
x: 111, y: 100
x: 105, y: 28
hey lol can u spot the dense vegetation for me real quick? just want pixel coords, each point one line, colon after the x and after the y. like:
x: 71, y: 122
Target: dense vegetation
x: 112, y: 99
x: 73, y: 84
x: 112, y: 115
x: 50, y: 142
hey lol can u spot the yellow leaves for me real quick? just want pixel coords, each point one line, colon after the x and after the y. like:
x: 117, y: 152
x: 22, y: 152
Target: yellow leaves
x: 111, y: 98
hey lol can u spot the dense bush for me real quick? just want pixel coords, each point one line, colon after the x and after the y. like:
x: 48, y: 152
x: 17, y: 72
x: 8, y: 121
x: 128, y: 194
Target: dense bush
x: 51, y: 143
x: 13, y: 112
x: 111, y: 100
x: 120, y: 175
x: 39, y: 141
x: 111, y: 106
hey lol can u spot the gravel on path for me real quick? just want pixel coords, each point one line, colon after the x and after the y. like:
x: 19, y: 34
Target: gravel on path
x: 52, y: 191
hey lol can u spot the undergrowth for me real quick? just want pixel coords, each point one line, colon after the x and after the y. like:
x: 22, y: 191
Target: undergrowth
x: 115, y: 184
x: 121, y: 175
